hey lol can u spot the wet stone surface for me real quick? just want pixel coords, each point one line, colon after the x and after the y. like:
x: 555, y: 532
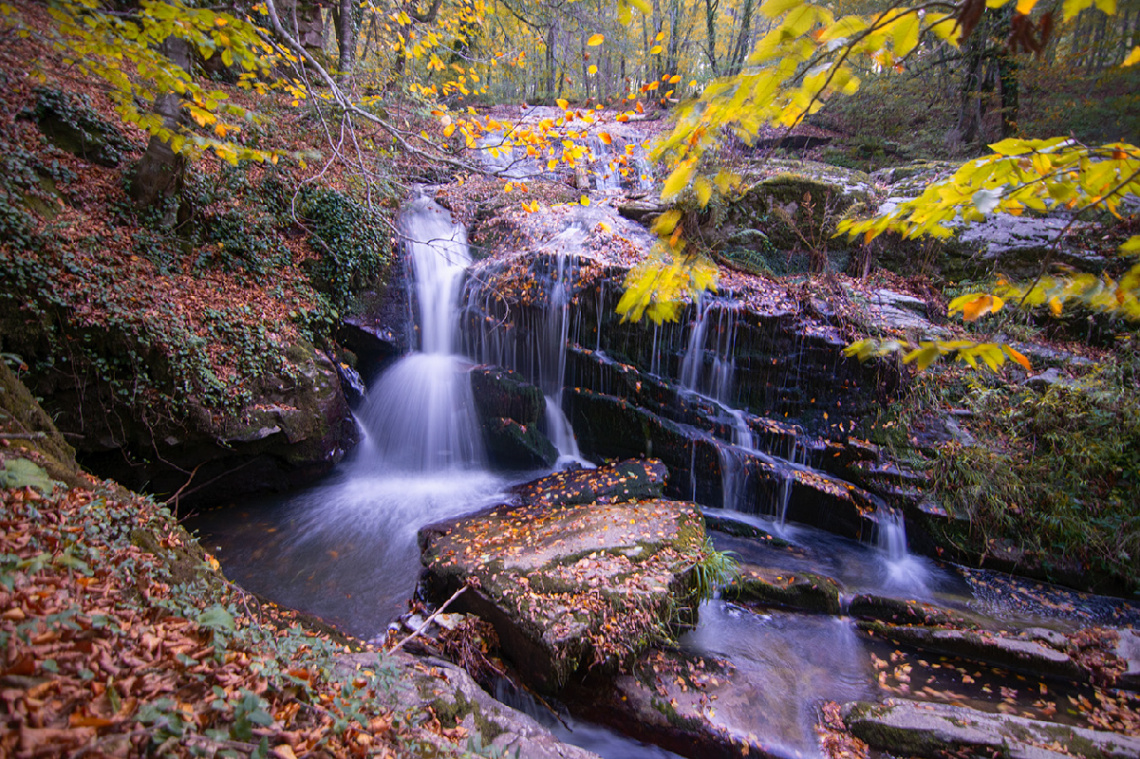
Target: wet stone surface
x: 568, y: 584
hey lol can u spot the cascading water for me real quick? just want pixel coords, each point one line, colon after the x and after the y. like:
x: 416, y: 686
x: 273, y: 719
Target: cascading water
x: 716, y: 381
x: 904, y: 571
x: 346, y: 550
x: 421, y: 414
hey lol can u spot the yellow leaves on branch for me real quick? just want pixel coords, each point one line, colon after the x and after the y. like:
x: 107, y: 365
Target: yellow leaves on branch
x: 927, y: 352
x: 656, y: 286
x: 1040, y: 175
x: 104, y: 45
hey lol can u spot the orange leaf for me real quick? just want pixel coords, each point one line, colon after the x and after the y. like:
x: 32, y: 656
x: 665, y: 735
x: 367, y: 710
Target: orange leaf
x: 1018, y: 357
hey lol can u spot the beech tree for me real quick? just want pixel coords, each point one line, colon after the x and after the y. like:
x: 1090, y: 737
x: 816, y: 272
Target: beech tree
x: 806, y: 59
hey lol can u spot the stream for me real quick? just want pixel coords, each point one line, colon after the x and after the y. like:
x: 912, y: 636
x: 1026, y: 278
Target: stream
x: 345, y: 549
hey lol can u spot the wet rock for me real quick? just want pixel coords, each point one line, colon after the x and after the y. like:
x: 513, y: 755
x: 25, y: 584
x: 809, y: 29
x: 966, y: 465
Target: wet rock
x: 609, y: 426
x: 898, y: 612
x: 905, y: 727
x: 511, y: 411
x: 643, y: 209
x: 1023, y: 651
x: 691, y: 705
x: 739, y: 529
x: 459, y: 703
x: 769, y: 587
x: 503, y: 393
x: 1128, y: 652
x: 611, y: 483
x: 570, y: 586
x: 293, y: 430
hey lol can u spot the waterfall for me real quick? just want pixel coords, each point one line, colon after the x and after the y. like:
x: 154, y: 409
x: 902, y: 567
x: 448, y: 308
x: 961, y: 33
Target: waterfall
x: 717, y: 382
x: 903, y: 570
x: 420, y: 414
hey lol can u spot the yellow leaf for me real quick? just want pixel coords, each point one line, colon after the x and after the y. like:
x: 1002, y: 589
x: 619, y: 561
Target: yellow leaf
x: 1133, y: 57
x: 675, y: 79
x: 596, y: 40
x: 660, y: 36
x: 563, y: 104
x: 643, y: 6
x: 655, y: 50
x: 1055, y: 305
x: 703, y: 188
x: 906, y: 34
x: 605, y: 138
x: 585, y: 200
x: 508, y: 187
x: 1025, y: 6
x: 593, y: 69
x: 666, y: 222
x: 678, y: 179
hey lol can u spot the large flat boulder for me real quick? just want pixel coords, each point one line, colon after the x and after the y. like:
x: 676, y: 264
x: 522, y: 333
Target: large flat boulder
x: 914, y: 728
x: 570, y: 586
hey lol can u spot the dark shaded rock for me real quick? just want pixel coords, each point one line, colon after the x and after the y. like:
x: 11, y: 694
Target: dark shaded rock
x: 572, y: 586
x: 905, y: 727
x: 1026, y: 651
x: 381, y: 328
x: 511, y: 411
x: 769, y: 587
x: 611, y: 483
x: 516, y: 446
x: 293, y: 430
x: 503, y: 393
x: 72, y: 125
x: 900, y: 612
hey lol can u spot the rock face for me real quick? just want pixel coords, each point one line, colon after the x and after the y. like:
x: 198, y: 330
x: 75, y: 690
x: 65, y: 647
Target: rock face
x: 571, y: 585
x: 293, y: 430
x: 458, y: 702
x: 927, y: 729
x: 511, y: 412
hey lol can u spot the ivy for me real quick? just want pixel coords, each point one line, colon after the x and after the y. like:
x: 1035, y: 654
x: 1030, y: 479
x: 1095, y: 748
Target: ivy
x: 352, y: 241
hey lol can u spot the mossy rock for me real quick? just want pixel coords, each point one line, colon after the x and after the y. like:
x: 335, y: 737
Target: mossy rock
x: 570, y: 587
x: 801, y: 591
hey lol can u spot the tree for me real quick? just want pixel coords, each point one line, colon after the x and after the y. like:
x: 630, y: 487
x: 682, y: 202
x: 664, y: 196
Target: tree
x: 807, y: 58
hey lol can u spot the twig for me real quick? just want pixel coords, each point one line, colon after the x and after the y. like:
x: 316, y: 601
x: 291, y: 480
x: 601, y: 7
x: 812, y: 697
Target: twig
x: 428, y: 621
x: 22, y: 435
x: 343, y: 101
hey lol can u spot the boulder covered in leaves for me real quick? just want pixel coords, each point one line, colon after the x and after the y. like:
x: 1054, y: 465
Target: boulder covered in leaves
x: 571, y: 585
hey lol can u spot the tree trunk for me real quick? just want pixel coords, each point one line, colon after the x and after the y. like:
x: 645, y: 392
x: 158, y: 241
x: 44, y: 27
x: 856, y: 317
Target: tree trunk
x: 346, y: 38
x: 159, y: 174
x: 711, y: 8
x: 740, y: 49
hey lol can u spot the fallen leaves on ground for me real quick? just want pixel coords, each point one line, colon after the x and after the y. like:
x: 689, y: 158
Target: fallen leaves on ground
x: 120, y: 640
